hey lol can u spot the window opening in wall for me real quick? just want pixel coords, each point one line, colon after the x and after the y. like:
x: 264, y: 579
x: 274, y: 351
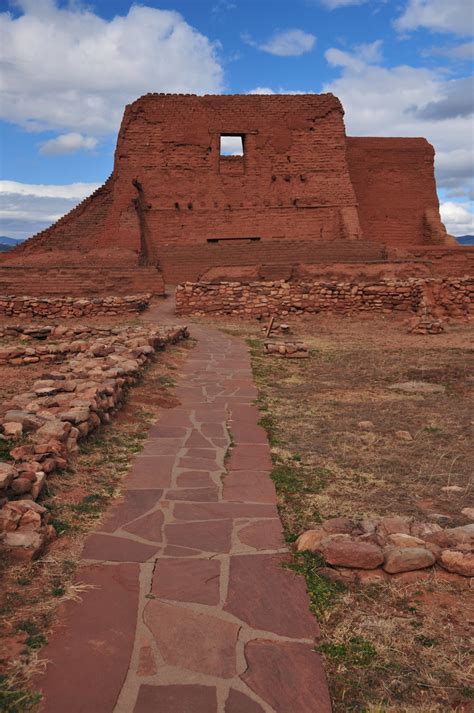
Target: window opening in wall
x: 231, y: 145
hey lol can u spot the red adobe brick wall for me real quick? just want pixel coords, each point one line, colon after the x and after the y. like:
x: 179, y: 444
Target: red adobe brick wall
x: 307, y: 191
x: 396, y: 190
x: 79, y: 281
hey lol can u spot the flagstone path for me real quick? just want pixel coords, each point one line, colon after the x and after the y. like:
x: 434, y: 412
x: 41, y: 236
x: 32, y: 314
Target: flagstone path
x: 191, y: 610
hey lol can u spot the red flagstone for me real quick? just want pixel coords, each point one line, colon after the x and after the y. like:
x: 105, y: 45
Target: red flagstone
x: 162, y: 447
x: 177, y: 551
x: 207, y: 453
x: 149, y: 527
x: 213, y: 536
x: 199, y: 464
x: 194, y: 479
x: 265, y: 535
x: 288, y: 676
x: 132, y: 504
x: 244, y: 413
x: 89, y: 652
x: 192, y: 639
x: 150, y: 472
x: 249, y: 486
x: 194, y: 494
x: 111, y: 548
x: 196, y: 440
x: 248, y: 433
x: 256, y: 580
x: 193, y: 580
x: 166, y: 431
x: 213, y: 430
x: 218, y: 511
x: 238, y: 702
x: 176, y: 699
x: 250, y: 457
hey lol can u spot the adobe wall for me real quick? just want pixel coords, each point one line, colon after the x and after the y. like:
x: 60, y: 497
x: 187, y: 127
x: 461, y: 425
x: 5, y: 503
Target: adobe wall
x: 396, y: 190
x: 306, y: 191
x: 79, y: 281
x: 292, y: 182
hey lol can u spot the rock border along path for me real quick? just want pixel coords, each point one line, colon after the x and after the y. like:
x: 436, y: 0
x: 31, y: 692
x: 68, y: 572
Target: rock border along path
x: 190, y: 609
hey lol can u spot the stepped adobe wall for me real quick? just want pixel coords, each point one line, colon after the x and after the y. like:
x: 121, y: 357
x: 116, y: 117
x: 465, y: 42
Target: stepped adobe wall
x: 301, y: 194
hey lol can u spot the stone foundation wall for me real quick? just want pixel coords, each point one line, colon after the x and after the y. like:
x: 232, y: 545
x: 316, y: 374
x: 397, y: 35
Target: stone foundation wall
x: 70, y: 307
x: 61, y: 408
x: 444, y: 297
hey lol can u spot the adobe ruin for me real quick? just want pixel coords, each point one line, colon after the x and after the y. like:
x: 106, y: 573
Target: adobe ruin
x: 303, y: 196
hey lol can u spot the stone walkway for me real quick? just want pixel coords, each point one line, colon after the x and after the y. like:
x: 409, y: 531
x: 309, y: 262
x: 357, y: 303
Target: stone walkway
x: 191, y: 610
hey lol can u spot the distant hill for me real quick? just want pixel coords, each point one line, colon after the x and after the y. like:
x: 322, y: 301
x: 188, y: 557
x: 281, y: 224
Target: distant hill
x: 462, y: 239
x: 7, y: 243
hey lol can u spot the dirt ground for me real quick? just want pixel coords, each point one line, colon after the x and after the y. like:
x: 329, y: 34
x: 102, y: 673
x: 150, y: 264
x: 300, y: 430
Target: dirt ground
x: 401, y: 645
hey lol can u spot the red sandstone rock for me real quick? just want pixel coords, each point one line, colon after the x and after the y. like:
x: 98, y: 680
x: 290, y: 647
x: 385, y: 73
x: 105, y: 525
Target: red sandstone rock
x: 405, y: 559
x: 457, y: 562
x: 362, y: 555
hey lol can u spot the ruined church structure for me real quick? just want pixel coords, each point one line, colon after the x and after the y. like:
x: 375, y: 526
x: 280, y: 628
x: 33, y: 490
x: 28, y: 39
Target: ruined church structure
x: 301, y: 195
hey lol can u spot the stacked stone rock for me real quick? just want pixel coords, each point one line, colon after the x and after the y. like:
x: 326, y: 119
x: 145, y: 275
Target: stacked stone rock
x: 280, y: 297
x: 71, y: 307
x: 60, y: 409
x: 290, y: 350
x: 391, y: 545
x: 425, y: 323
x: 76, y: 340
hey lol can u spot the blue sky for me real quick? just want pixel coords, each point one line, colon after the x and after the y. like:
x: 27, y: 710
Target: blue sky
x: 401, y: 68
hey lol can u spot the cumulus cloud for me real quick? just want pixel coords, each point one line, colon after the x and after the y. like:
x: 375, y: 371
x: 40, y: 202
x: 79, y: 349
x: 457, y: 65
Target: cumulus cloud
x: 68, y: 143
x: 380, y: 101
x: 285, y: 43
x: 455, y: 16
x: 457, y: 101
x: 458, y: 219
x: 69, y: 69
x: 463, y: 52
x: 26, y: 209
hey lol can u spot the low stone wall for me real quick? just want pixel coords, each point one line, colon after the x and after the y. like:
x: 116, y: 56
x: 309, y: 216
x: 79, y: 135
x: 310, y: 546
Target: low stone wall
x: 444, y: 297
x: 388, y: 546
x: 56, y: 342
x: 70, y: 307
x: 61, y: 408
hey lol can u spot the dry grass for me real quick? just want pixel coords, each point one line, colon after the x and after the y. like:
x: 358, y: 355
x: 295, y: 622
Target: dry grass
x: 76, y: 498
x: 390, y: 646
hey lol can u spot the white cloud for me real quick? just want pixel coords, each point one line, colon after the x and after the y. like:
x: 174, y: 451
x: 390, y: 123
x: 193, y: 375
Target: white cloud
x: 458, y: 100
x: 26, y: 208
x: 285, y: 43
x: 71, y: 69
x: 370, y: 52
x: 71, y: 191
x: 333, y: 4
x: 68, y: 143
x: 457, y: 218
x: 262, y: 90
x: 383, y: 101
x: 231, y: 146
x: 455, y: 16
x: 463, y: 52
